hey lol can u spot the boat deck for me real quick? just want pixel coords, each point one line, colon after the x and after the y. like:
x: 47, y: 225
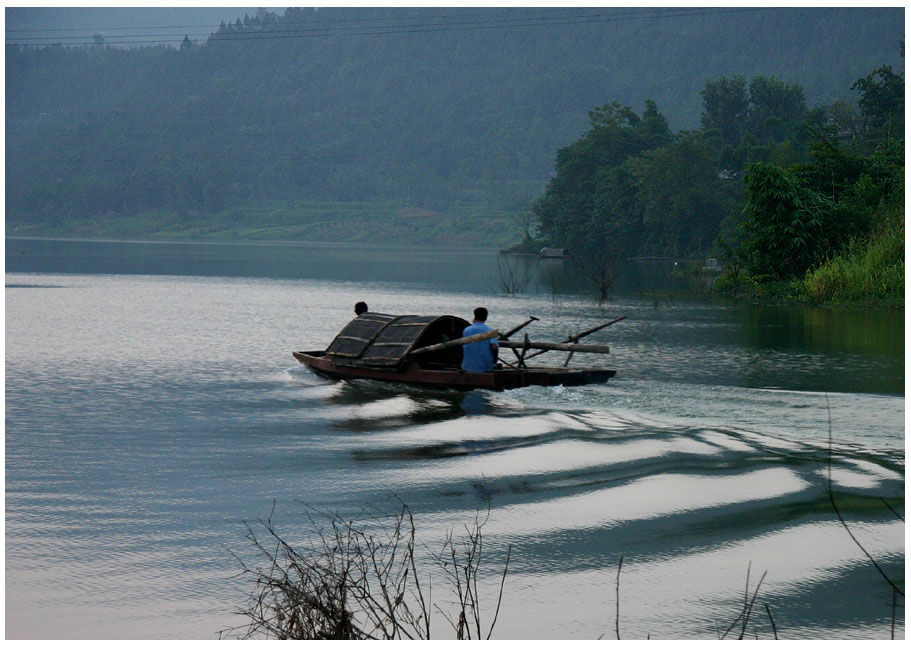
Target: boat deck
x: 445, y: 377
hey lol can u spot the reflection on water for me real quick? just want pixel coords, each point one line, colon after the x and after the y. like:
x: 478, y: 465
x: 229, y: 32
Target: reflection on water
x: 571, y: 491
x: 824, y: 330
x: 148, y: 416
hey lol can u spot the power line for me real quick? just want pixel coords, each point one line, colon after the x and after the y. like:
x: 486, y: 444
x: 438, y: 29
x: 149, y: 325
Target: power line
x: 217, y: 160
x: 417, y: 28
x: 348, y: 156
x: 272, y: 32
x: 295, y: 22
x: 255, y: 35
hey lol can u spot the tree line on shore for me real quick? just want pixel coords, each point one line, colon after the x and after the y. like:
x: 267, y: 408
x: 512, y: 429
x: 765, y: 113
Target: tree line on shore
x: 797, y: 201
x: 457, y: 111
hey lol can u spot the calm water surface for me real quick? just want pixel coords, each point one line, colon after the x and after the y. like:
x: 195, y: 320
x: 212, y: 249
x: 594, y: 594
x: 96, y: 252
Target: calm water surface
x: 153, y: 406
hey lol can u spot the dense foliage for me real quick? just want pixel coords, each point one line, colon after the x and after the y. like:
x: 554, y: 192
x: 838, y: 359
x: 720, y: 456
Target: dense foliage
x: 833, y: 225
x: 823, y: 187
x: 457, y: 112
x: 786, y: 224
x: 870, y: 269
x: 630, y: 186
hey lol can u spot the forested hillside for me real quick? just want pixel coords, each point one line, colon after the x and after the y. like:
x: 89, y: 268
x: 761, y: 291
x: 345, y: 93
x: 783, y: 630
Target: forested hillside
x: 434, y: 124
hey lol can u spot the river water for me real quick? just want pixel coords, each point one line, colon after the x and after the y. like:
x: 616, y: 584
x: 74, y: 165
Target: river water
x: 153, y: 406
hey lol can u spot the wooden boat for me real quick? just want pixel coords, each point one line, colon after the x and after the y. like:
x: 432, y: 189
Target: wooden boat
x: 427, y: 351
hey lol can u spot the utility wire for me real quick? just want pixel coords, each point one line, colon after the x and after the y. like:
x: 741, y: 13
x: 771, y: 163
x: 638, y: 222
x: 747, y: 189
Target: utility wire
x: 221, y: 37
x: 271, y: 33
x: 217, y: 159
x: 294, y: 22
x: 551, y: 20
x: 257, y: 31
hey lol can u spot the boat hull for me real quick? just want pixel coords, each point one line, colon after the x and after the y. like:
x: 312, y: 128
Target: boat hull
x: 415, y: 374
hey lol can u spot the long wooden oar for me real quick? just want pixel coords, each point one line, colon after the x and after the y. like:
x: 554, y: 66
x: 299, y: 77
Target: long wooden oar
x: 458, y: 342
x: 575, y: 339
x: 477, y: 338
x: 569, y: 356
x: 512, y: 331
x: 560, y: 347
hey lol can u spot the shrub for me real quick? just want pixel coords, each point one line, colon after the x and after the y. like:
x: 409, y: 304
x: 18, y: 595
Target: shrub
x: 785, y: 226
x: 870, y: 269
x: 346, y: 583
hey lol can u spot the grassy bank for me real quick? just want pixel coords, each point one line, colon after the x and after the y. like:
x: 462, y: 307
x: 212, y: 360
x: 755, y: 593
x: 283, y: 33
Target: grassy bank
x: 870, y: 271
x: 468, y: 225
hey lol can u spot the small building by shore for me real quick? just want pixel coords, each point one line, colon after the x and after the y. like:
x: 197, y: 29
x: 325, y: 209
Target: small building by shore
x: 551, y: 253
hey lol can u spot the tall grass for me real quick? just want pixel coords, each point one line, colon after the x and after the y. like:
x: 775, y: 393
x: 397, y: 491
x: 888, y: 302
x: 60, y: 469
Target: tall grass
x: 871, y: 269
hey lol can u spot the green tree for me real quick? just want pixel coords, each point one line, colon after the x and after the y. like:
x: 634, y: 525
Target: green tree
x: 760, y: 121
x: 726, y: 104
x: 783, y: 233
x: 587, y: 206
x: 776, y: 109
x: 832, y: 168
x: 442, y: 120
x: 882, y: 102
x: 681, y: 196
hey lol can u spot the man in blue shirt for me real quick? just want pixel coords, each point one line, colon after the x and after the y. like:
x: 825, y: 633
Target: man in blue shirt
x: 481, y: 356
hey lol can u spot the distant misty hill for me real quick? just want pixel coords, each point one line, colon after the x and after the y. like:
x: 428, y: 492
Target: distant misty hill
x: 442, y: 109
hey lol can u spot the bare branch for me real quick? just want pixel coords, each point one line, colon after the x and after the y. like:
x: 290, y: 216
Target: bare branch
x: 841, y: 519
x: 619, y: 566
x: 771, y: 620
x: 345, y: 583
x: 744, y: 616
x: 889, y: 506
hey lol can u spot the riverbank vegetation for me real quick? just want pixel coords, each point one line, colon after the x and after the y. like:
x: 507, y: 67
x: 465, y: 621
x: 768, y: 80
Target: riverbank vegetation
x: 261, y: 131
x: 800, y: 204
x: 871, y: 269
x: 830, y: 229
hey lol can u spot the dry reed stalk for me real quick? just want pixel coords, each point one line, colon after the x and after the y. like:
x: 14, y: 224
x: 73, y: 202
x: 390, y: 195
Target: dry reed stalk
x: 348, y: 584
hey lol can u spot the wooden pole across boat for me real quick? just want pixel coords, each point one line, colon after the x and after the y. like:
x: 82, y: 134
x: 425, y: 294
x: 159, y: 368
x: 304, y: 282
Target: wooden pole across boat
x: 560, y: 347
x: 458, y: 342
x: 527, y: 344
x: 575, y: 339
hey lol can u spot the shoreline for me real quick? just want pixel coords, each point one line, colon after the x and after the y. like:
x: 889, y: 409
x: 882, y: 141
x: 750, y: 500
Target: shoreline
x: 240, y: 241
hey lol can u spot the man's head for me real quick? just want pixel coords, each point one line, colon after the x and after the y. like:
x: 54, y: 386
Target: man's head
x: 480, y: 314
x: 360, y: 308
